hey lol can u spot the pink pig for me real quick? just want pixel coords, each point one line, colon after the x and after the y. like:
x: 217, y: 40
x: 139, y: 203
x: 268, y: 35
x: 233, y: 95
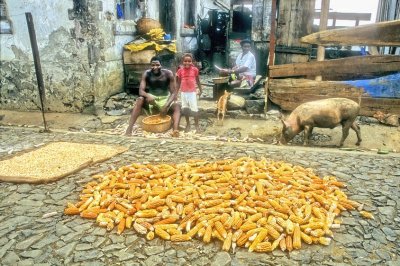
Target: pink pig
x: 327, y: 113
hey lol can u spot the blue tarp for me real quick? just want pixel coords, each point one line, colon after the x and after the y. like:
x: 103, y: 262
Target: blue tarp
x: 383, y: 87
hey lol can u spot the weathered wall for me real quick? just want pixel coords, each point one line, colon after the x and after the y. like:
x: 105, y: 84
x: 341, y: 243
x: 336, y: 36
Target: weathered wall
x: 186, y: 38
x: 81, y: 57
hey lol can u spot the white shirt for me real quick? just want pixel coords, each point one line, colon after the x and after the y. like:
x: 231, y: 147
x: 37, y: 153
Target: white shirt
x: 248, y: 60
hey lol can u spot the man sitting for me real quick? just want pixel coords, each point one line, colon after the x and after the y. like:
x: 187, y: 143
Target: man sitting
x: 245, y: 66
x: 160, y: 97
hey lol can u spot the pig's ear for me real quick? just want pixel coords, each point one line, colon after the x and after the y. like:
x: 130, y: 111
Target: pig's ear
x: 284, y: 123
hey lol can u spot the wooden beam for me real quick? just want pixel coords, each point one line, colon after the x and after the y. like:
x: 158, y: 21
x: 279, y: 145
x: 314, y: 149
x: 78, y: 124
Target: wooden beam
x: 345, y: 16
x: 323, y: 23
x: 379, y: 34
x: 221, y: 5
x: 290, y: 93
x: 356, y: 65
x: 272, y: 38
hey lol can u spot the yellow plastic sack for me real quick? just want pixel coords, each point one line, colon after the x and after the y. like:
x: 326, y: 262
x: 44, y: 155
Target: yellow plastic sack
x: 133, y: 47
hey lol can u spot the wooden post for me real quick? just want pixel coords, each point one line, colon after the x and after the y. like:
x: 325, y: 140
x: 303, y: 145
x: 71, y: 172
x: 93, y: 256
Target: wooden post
x: 323, y: 23
x: 38, y: 68
x: 271, y: 57
x: 272, y: 38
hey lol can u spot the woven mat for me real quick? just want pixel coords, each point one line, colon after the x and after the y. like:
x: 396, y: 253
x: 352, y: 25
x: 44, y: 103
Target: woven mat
x: 54, y: 161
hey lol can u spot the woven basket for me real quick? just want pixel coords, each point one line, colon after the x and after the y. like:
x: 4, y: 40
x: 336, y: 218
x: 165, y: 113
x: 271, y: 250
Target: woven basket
x: 156, y: 123
x: 144, y: 25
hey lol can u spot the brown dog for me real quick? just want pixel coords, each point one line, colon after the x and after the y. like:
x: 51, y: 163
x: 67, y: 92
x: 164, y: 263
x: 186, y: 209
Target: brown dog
x: 221, y: 105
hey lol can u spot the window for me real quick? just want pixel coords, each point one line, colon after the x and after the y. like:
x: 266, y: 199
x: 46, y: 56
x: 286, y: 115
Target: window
x: 5, y: 22
x: 242, y: 18
x: 130, y: 9
x: 190, y: 12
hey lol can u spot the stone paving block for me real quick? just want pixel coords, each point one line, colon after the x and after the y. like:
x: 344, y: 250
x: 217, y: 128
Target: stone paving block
x: 28, y: 239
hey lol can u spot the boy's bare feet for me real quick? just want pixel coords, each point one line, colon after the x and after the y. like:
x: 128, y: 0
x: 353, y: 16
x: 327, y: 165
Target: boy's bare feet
x: 187, y: 129
x: 175, y: 133
x: 130, y: 131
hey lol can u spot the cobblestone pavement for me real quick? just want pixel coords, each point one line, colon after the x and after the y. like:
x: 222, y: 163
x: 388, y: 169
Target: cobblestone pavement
x: 26, y: 238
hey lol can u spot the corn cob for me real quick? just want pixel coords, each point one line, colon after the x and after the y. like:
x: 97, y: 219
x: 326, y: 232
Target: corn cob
x: 263, y: 247
x: 207, y: 234
x: 147, y: 213
x: 180, y: 238
x: 121, y: 226
x: 260, y: 237
x: 296, y: 237
x: 289, y: 243
x: 324, y: 240
x: 220, y: 228
x: 140, y: 228
x: 228, y: 242
x: 162, y: 233
x: 272, y: 232
x: 282, y: 244
x: 367, y: 215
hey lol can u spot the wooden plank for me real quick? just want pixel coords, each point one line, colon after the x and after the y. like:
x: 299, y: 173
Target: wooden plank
x: 366, y: 65
x: 323, y: 23
x: 222, y: 5
x: 261, y: 22
x: 345, y: 16
x: 293, y: 22
x: 290, y: 93
x: 261, y: 51
x: 308, y: 86
x: 292, y: 50
x: 379, y: 34
x: 140, y: 57
x: 369, y: 106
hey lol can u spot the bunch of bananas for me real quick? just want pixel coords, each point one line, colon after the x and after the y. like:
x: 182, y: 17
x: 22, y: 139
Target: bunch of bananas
x: 156, y: 34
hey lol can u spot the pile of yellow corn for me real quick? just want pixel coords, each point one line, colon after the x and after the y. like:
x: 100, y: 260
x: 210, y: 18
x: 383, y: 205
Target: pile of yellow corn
x: 156, y: 34
x: 260, y: 205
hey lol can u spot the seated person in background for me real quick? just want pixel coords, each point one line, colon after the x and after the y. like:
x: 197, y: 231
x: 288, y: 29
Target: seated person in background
x: 160, y: 98
x: 245, y: 66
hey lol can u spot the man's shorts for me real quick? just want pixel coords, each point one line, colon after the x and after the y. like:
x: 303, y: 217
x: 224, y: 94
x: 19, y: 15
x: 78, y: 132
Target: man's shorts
x: 189, y: 100
x: 159, y: 102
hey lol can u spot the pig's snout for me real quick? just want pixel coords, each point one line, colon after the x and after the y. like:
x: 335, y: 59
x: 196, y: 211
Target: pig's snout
x: 282, y: 140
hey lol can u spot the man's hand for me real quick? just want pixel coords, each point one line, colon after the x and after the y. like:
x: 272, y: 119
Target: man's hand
x: 224, y: 72
x: 164, y: 110
x: 150, y: 98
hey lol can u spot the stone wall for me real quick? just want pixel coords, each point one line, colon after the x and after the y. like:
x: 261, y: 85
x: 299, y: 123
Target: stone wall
x: 80, y: 45
x: 81, y: 57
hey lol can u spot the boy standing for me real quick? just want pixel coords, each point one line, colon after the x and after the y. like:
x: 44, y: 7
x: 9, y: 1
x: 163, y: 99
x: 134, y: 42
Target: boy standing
x: 187, y: 78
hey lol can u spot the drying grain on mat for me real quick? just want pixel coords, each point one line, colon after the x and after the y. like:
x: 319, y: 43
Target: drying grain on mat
x: 53, y: 160
x: 260, y: 205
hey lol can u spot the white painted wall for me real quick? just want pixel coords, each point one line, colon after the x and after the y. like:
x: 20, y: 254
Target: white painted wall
x: 48, y: 16
x: 70, y: 80
x: 186, y: 44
